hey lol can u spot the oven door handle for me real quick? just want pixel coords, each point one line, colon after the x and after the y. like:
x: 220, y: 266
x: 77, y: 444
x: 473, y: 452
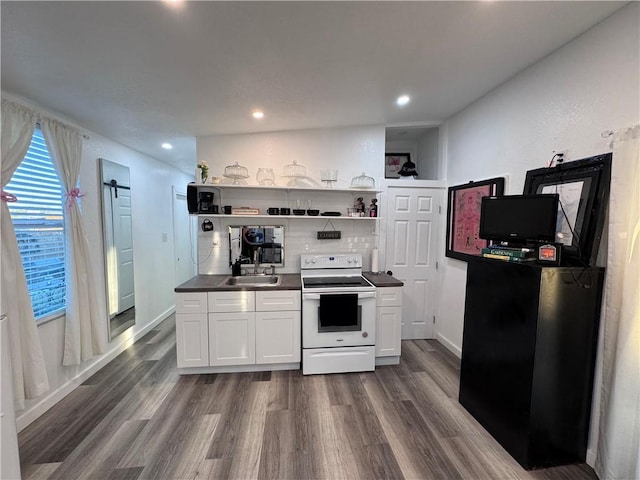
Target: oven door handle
x: 316, y: 296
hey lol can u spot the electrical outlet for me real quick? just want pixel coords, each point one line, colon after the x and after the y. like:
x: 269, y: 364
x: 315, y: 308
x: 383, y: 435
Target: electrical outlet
x: 561, y: 155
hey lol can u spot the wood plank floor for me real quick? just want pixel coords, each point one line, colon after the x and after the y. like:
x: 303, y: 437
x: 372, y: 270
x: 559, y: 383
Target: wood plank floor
x: 138, y: 419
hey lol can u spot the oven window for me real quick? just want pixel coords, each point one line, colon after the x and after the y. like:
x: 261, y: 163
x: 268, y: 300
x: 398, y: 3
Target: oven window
x: 339, y: 313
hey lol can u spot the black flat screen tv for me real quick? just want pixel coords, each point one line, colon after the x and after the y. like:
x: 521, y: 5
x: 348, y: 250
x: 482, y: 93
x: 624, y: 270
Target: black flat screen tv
x: 520, y: 219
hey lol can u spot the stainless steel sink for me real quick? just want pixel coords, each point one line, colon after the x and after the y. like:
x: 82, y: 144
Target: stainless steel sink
x: 254, y: 281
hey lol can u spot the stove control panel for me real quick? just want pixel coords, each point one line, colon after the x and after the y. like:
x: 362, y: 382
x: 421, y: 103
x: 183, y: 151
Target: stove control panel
x: 323, y: 260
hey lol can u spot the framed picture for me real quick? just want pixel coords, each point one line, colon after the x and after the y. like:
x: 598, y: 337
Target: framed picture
x: 393, y: 162
x: 463, y: 217
x: 583, y: 187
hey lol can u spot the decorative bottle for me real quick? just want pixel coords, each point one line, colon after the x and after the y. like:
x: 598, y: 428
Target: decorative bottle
x: 373, y: 208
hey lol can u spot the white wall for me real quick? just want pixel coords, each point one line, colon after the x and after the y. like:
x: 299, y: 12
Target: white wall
x: 404, y: 146
x: 424, y: 151
x: 563, y: 102
x: 428, y: 155
x: 350, y: 150
x: 151, y: 183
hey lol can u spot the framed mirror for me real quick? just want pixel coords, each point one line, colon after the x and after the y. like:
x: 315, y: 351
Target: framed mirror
x: 261, y: 244
x: 118, y: 245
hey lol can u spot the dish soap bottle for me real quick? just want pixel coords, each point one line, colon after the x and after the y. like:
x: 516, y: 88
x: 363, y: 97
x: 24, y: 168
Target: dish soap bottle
x: 236, y: 271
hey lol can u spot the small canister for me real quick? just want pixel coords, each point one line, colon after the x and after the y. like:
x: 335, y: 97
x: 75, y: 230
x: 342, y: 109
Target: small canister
x: 236, y: 271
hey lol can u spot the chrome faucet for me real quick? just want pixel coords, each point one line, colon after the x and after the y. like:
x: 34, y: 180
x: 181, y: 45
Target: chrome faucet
x: 256, y: 259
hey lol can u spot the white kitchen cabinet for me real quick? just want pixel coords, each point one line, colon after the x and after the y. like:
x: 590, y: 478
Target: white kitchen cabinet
x: 278, y: 326
x: 192, y: 345
x: 232, y: 328
x: 277, y: 337
x: 232, y: 338
x: 243, y: 330
x: 388, y: 324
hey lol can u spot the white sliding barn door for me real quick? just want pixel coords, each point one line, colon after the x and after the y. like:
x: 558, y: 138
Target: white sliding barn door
x: 411, y: 252
x: 119, y: 246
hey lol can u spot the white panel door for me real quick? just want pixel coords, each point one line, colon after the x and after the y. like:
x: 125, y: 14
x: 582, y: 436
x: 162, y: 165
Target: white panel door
x: 183, y: 238
x: 119, y: 247
x: 411, y: 244
x: 124, y: 243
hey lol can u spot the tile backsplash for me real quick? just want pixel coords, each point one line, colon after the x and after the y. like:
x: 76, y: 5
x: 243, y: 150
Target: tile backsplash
x: 357, y: 236
x: 300, y: 233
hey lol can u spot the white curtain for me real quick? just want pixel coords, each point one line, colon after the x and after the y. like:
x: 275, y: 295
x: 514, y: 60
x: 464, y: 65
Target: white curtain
x: 85, y: 333
x: 619, y: 435
x: 27, y: 361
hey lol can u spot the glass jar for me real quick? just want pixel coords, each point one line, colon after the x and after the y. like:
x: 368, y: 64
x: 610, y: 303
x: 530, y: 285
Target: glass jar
x: 265, y: 177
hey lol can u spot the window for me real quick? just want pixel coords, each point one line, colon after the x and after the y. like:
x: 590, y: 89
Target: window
x: 38, y: 221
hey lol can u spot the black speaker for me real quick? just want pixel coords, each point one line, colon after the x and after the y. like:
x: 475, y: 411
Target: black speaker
x: 192, y: 198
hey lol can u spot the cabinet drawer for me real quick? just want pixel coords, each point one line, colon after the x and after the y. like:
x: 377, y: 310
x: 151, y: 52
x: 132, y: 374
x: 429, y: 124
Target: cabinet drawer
x: 389, y: 297
x: 278, y: 300
x: 195, y: 302
x: 232, y: 301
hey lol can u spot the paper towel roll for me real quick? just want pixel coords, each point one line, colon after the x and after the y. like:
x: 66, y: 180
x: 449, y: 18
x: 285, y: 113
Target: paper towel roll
x: 374, y: 260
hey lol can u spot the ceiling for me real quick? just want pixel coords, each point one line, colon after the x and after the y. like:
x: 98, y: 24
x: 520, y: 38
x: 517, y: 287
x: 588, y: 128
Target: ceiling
x: 144, y: 73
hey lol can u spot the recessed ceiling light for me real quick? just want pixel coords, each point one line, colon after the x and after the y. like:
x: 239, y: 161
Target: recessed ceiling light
x: 402, y: 100
x: 258, y: 114
x: 174, y: 3
x: 167, y: 146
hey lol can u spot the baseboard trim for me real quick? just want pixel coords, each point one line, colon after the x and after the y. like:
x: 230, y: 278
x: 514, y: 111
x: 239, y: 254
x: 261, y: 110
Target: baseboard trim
x: 449, y: 345
x: 28, y: 417
x: 270, y: 367
x: 395, y: 360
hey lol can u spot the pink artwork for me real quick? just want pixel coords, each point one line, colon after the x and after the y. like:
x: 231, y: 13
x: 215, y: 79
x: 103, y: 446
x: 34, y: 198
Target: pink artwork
x: 467, y: 220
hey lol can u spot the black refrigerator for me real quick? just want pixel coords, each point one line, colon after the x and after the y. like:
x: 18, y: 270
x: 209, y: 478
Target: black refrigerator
x: 528, y: 356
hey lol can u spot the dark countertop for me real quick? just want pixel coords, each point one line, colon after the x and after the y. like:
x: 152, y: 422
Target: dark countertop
x: 211, y: 283
x: 290, y: 281
x: 381, y: 279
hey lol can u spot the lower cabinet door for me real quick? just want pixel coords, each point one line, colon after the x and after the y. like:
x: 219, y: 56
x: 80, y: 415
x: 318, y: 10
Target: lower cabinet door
x: 388, y: 331
x: 232, y: 338
x: 277, y: 337
x: 192, y: 340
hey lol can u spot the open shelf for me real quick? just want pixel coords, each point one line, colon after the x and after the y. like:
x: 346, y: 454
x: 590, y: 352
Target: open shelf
x: 297, y: 217
x: 288, y: 189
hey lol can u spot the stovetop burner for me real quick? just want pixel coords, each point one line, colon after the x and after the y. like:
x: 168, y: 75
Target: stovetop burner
x: 344, y: 281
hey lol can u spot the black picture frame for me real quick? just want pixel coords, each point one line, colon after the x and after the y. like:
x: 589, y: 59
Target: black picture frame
x: 463, y: 217
x: 583, y: 186
x: 393, y: 162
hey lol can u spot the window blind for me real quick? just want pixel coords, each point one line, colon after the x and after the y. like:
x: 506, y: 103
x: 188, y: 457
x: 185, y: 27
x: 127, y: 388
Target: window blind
x: 38, y: 221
